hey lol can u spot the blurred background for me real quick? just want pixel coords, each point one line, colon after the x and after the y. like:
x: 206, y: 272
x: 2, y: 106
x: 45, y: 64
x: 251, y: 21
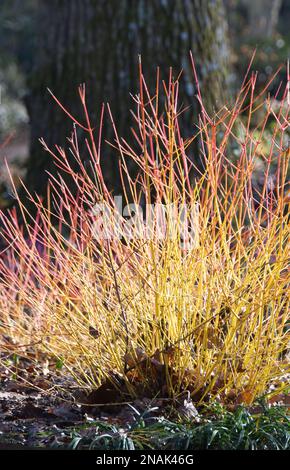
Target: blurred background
x: 59, y: 44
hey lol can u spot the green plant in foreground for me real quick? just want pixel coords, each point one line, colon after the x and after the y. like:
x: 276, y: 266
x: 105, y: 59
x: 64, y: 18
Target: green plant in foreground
x: 190, y: 297
x: 217, y: 429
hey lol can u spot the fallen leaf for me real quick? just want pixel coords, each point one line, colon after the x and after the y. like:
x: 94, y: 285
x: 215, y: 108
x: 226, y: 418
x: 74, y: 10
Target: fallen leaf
x: 94, y: 332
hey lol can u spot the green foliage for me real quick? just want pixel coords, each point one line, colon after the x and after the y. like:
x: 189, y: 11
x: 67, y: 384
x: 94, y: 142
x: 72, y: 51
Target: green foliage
x: 218, y: 429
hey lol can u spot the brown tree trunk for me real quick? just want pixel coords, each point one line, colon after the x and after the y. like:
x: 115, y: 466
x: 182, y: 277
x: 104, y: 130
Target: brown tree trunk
x: 98, y: 42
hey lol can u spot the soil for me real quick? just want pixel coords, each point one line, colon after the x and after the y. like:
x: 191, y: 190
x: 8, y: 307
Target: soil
x: 42, y: 406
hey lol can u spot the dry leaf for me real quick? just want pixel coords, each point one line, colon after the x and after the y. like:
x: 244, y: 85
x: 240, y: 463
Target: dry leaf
x: 94, y: 332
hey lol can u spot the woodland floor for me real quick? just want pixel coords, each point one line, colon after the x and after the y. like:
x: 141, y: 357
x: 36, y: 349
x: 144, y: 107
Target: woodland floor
x: 41, y: 406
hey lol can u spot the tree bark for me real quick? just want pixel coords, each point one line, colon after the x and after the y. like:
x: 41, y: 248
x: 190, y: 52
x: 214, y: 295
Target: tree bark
x: 263, y: 17
x: 98, y: 42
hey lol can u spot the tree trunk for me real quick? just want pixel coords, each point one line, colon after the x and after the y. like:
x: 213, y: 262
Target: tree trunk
x: 263, y: 17
x: 98, y: 42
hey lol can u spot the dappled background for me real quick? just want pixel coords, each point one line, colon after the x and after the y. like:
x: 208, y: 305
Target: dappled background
x: 183, y: 310
x: 62, y: 43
